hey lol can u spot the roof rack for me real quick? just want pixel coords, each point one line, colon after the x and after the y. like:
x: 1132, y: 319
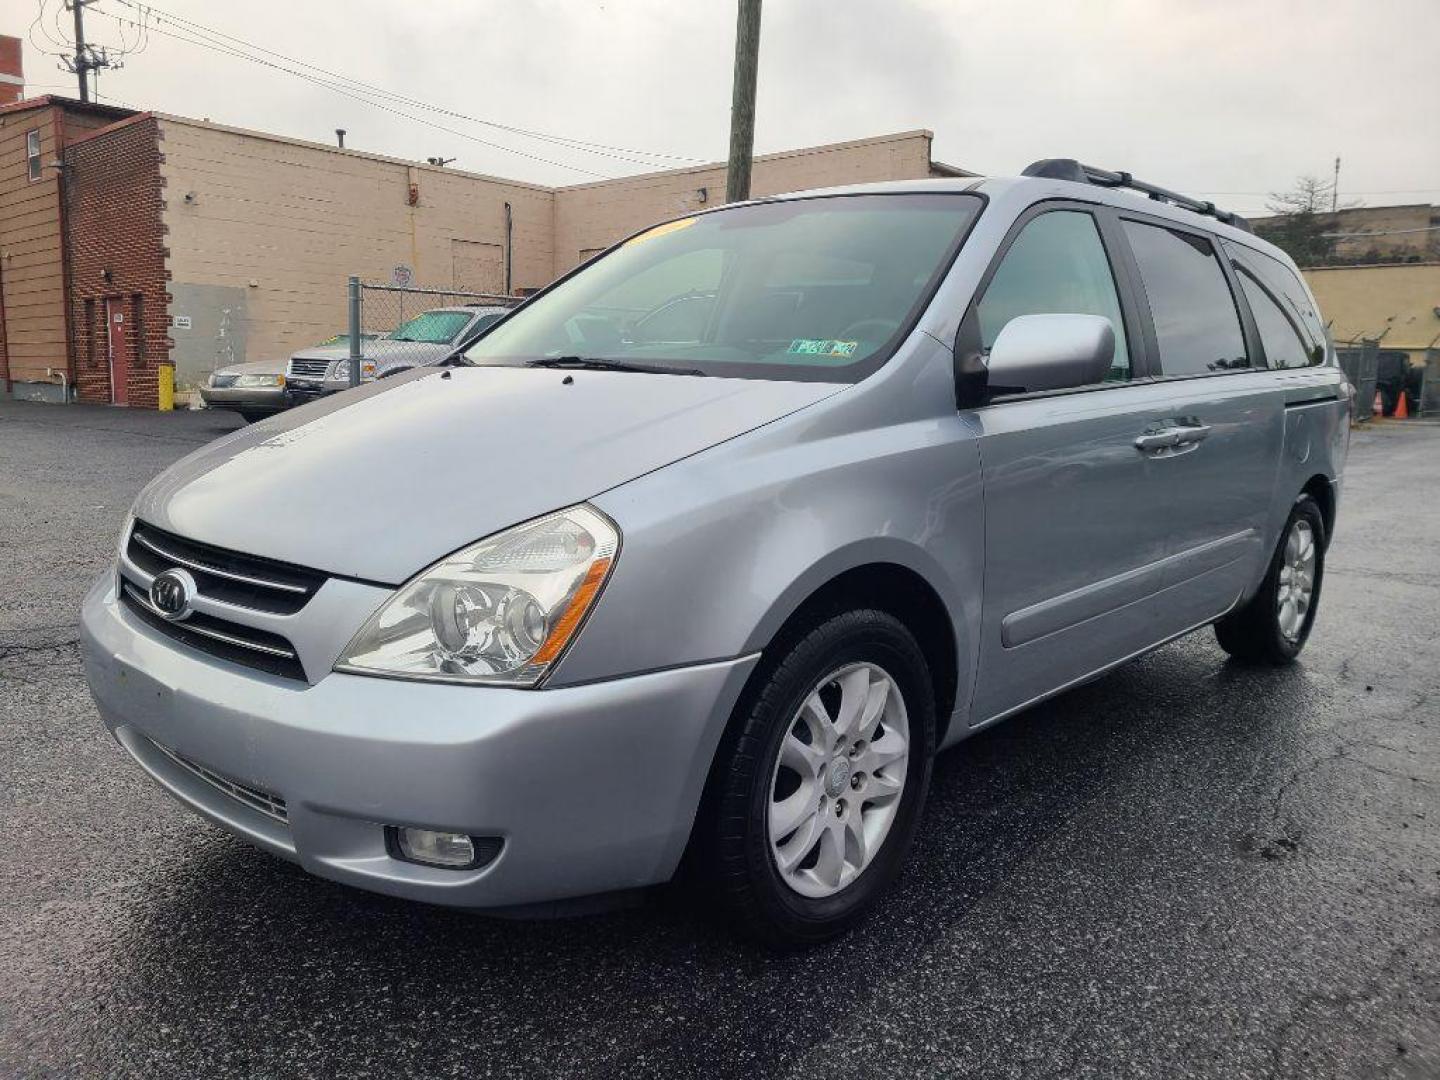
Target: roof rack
x: 1072, y: 170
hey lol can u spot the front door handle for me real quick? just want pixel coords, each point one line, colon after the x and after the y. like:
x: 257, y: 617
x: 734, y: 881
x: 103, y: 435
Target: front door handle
x: 1175, y: 438
x: 1155, y: 441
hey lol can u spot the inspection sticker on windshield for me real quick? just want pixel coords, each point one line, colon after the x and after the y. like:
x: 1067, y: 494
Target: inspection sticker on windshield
x: 822, y: 347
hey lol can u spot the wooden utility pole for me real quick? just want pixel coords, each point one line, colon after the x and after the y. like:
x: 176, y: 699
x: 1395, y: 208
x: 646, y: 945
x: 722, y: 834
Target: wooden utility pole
x: 87, y: 58
x: 742, y: 108
x: 81, y: 64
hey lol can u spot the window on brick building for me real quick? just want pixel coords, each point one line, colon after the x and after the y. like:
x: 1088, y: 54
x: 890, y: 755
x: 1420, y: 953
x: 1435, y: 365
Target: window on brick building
x: 32, y: 153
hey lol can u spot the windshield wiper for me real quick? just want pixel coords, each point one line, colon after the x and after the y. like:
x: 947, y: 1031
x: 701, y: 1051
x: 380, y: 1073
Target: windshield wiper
x: 600, y: 363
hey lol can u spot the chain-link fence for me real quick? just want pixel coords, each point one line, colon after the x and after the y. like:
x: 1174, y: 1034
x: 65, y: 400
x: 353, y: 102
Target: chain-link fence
x: 394, y: 328
x: 1359, y: 360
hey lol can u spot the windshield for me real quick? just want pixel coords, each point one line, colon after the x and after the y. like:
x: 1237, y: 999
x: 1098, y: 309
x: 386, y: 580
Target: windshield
x: 432, y: 327
x: 803, y: 289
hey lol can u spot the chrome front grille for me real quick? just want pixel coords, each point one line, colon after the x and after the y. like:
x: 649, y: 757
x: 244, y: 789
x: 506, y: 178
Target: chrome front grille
x: 308, y: 369
x: 242, y: 582
x: 272, y: 806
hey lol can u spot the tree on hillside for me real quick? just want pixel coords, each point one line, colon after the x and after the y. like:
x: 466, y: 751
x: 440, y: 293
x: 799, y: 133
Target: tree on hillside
x: 1302, y: 219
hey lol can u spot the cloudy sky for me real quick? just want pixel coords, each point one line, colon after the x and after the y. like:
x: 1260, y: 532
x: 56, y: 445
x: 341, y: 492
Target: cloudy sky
x: 1229, y: 99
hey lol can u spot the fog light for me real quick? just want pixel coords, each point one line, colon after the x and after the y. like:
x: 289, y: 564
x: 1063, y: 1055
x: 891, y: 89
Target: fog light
x: 453, y: 850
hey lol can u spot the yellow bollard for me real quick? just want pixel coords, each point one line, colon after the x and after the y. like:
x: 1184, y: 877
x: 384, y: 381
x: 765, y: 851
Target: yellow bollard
x: 165, y: 392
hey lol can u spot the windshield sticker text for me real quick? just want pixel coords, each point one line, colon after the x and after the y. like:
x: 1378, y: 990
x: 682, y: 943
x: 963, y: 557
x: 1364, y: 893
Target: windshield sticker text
x: 822, y: 347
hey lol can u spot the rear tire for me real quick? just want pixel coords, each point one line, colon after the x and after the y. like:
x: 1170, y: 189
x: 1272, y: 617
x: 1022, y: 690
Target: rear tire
x: 836, y: 736
x: 1273, y: 626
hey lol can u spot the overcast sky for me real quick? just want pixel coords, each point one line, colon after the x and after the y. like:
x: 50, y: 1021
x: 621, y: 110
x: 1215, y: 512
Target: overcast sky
x: 1228, y: 99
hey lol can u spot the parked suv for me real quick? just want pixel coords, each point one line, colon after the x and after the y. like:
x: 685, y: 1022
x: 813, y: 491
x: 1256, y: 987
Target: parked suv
x: 428, y: 338
x: 921, y: 455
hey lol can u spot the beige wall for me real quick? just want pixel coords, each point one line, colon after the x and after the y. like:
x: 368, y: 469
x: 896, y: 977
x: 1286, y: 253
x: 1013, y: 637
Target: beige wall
x: 288, y: 222
x: 591, y: 217
x: 1395, y: 303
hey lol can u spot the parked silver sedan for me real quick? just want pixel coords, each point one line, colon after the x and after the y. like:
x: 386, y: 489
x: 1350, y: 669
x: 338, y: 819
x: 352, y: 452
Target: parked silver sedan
x: 254, y: 390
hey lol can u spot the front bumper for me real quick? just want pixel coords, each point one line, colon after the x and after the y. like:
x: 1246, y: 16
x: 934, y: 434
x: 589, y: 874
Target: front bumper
x: 259, y: 398
x: 298, y: 392
x: 592, y: 788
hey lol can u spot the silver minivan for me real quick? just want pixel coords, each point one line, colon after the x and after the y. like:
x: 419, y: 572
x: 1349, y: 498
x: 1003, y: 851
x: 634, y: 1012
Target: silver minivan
x: 704, y: 551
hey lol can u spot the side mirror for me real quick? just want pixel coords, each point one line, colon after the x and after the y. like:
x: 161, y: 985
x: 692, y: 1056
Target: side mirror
x: 1050, y: 352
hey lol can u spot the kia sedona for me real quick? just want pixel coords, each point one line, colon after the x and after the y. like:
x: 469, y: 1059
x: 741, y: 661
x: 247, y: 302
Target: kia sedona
x: 699, y: 556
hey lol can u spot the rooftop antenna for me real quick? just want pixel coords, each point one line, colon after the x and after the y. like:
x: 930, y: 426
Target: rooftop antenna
x: 340, y: 138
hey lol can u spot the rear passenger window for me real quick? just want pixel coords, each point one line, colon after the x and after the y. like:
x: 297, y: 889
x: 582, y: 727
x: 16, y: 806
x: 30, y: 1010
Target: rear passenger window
x: 1284, y: 347
x: 1283, y: 285
x: 1196, y: 324
x: 1056, y: 266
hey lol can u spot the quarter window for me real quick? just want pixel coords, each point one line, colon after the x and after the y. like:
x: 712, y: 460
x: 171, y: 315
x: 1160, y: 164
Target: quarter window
x: 1284, y: 348
x: 1283, y: 285
x: 1056, y: 266
x: 32, y: 154
x: 1196, y: 325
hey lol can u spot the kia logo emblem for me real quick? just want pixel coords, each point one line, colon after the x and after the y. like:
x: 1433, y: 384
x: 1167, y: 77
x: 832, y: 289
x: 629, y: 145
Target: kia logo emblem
x: 172, y: 593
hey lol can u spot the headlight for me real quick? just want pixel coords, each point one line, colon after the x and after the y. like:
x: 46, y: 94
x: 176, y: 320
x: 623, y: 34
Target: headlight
x: 260, y: 380
x: 501, y: 611
x: 342, y: 370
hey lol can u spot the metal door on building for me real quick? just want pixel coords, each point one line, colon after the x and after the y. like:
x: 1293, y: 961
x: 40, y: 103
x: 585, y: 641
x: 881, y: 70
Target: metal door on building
x: 118, y: 355
x: 478, y: 267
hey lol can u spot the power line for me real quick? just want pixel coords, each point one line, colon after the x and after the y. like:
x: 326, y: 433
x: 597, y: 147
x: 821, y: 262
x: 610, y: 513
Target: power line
x: 1392, y: 191
x: 222, y: 39
x: 346, y: 92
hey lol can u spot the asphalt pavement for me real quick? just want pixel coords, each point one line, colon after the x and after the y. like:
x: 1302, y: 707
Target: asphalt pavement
x: 1188, y: 868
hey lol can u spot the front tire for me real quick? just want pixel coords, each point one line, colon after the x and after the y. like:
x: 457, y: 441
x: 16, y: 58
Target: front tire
x: 1274, y: 625
x: 820, y: 791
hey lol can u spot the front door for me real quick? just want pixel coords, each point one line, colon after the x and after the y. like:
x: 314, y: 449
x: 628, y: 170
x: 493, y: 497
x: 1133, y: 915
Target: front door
x: 118, y: 356
x: 1076, y: 528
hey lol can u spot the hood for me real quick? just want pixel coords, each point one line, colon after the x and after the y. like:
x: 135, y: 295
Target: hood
x: 254, y: 367
x: 382, y: 481
x: 378, y: 349
x: 324, y: 352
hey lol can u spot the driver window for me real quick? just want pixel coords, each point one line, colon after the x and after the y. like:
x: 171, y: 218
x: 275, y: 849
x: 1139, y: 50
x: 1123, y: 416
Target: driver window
x: 1056, y: 266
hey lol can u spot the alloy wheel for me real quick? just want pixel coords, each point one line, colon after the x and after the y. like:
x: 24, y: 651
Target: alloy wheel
x: 838, y: 780
x: 1297, y: 579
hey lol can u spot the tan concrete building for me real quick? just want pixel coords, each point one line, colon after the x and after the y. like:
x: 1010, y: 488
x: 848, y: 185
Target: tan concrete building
x: 198, y: 244
x: 1396, y: 304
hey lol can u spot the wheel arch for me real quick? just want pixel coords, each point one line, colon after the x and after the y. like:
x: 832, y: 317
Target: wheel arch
x: 891, y: 575
x: 895, y: 585
x: 1319, y: 488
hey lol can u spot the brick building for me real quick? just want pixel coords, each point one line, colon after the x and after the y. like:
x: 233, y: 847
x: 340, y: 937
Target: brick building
x: 174, y: 240
x: 35, y: 340
x: 118, y: 291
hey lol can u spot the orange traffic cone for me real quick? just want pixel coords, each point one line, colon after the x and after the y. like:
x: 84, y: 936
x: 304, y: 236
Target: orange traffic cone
x: 1379, y: 410
x: 1401, y: 412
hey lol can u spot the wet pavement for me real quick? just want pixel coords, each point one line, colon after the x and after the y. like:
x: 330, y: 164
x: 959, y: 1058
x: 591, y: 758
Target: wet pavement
x: 1185, y: 869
